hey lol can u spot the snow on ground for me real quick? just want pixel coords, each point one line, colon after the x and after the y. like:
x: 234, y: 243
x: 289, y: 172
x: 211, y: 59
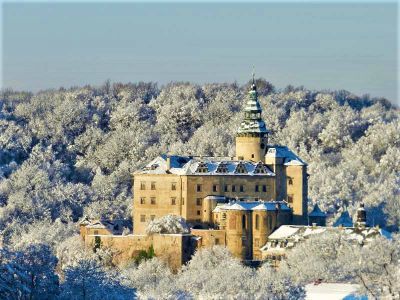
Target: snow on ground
x: 332, y: 291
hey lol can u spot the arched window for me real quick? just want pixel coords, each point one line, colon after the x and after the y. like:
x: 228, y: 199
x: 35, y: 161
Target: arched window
x: 257, y: 222
x: 243, y: 221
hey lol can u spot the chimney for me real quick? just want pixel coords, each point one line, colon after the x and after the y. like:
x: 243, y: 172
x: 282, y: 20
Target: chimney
x: 168, y: 163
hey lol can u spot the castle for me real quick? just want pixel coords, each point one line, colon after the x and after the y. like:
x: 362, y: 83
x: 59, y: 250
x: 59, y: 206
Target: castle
x: 231, y: 201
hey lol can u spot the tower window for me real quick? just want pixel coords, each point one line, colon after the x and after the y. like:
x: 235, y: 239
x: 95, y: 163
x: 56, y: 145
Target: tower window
x: 142, y: 200
x: 264, y: 187
x: 290, y: 198
x: 215, y: 188
x: 142, y: 218
x: 143, y: 185
x: 256, y: 188
x: 198, y: 201
x: 198, y: 188
x: 198, y: 213
x: 173, y: 186
x: 233, y: 188
x: 252, y: 156
x: 153, y: 185
x: 241, y: 188
x: 290, y: 181
x: 153, y: 200
x: 173, y: 201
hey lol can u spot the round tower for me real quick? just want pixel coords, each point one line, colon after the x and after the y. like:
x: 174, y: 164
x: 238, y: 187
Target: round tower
x: 252, y: 135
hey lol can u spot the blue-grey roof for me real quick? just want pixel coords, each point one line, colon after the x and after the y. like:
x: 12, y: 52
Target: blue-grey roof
x: 185, y: 165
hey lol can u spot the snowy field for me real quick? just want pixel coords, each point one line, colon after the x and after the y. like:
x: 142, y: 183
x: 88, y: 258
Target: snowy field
x: 332, y: 291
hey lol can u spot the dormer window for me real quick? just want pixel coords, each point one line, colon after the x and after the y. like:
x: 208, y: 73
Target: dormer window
x: 222, y: 168
x: 240, y: 169
x: 202, y: 168
x: 260, y: 169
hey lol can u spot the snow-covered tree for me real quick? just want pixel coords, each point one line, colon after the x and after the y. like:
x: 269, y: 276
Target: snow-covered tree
x: 168, y: 224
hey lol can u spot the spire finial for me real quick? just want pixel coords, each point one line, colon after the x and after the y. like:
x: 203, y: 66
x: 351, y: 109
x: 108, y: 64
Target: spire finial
x: 253, y: 86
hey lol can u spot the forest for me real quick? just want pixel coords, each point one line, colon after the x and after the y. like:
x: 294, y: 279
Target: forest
x: 67, y: 153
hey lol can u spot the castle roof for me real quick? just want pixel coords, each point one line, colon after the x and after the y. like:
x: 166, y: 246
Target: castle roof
x: 290, y: 158
x: 189, y: 165
x: 252, y: 123
x: 253, y: 205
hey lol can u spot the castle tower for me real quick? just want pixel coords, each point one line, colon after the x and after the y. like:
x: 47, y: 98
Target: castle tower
x: 252, y: 135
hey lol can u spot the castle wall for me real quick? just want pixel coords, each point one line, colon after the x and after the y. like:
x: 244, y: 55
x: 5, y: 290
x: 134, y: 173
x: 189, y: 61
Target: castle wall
x: 175, y: 249
x: 157, y: 199
x: 195, y: 211
x: 297, y: 196
x: 210, y: 237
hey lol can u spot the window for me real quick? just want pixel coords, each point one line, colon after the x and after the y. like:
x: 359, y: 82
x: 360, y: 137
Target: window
x: 257, y: 222
x: 153, y: 185
x: 142, y: 200
x: 290, y: 181
x: 264, y: 188
x: 240, y: 169
x: 96, y: 232
x: 152, y: 217
x: 198, y: 201
x: 198, y: 213
x: 173, y: 201
x: 260, y: 169
x: 153, y: 200
x: 198, y: 188
x: 142, y: 218
x: 256, y: 188
x: 222, y: 168
x: 243, y: 221
x: 215, y: 188
x: 252, y: 156
x: 240, y: 158
x: 143, y: 185
x: 226, y: 188
x: 257, y: 242
x: 290, y: 198
x: 202, y: 168
x: 173, y: 186
x: 223, y: 216
x: 216, y: 241
x: 183, y: 201
x: 233, y: 188
x: 241, y: 188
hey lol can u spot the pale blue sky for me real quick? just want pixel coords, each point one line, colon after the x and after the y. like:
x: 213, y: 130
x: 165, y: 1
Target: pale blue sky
x: 318, y: 45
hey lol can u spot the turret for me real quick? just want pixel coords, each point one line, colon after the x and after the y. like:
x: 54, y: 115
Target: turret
x: 361, y: 216
x: 252, y: 135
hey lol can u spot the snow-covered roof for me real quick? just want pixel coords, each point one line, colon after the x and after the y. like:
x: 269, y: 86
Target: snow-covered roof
x: 290, y: 158
x: 290, y: 235
x: 344, y: 220
x: 252, y: 205
x: 333, y: 291
x: 317, y: 212
x: 217, y: 166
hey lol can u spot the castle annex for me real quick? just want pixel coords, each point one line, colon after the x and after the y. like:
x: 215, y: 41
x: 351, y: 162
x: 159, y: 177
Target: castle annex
x: 231, y: 201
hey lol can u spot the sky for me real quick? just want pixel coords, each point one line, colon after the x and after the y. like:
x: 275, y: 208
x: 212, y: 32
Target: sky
x: 320, y: 45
